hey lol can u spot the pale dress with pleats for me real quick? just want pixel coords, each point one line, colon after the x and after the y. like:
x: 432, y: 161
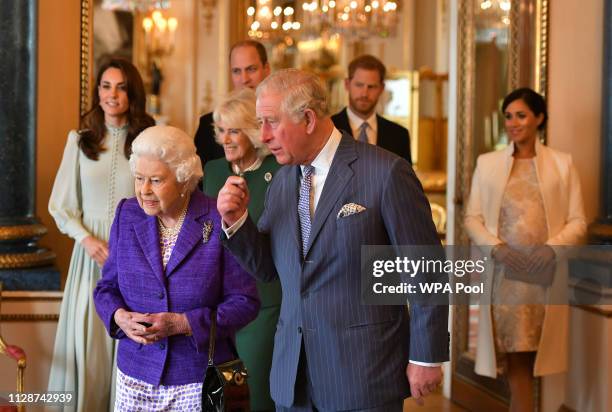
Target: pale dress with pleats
x: 83, y: 201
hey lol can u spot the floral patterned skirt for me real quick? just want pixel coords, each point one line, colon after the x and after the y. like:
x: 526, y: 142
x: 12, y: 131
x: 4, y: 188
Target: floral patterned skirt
x: 135, y: 395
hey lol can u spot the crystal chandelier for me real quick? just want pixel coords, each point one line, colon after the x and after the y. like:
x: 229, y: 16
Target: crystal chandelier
x: 135, y: 5
x: 269, y: 21
x: 352, y: 19
x: 159, y: 33
x: 493, y: 13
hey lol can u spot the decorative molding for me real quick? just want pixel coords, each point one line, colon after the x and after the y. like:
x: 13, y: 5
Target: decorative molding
x: 84, y: 71
x: 35, y: 295
x: 465, y: 89
x: 208, y: 14
x: 207, y: 99
x: 22, y: 232
x: 514, y: 58
x: 26, y: 260
x: 29, y: 317
x: 542, y: 26
x: 466, y: 45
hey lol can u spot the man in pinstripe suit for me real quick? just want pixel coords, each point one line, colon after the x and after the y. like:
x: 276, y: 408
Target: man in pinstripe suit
x: 331, y: 351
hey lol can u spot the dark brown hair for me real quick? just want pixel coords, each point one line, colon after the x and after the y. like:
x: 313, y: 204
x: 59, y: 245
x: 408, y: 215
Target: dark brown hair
x: 532, y: 99
x: 93, y: 128
x: 261, y: 50
x: 367, y: 62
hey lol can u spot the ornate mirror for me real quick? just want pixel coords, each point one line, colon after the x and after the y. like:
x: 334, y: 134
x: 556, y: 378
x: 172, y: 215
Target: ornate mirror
x: 172, y: 43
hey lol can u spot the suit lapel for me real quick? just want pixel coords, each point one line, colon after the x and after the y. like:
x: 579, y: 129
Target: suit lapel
x: 191, y: 232
x: 336, y: 182
x: 383, y: 139
x: 344, y: 124
x: 148, y: 237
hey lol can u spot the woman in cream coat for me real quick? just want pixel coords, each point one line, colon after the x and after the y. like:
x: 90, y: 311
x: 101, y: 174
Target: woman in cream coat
x: 526, y: 195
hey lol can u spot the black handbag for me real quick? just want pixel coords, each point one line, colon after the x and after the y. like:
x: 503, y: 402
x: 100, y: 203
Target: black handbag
x: 225, y: 387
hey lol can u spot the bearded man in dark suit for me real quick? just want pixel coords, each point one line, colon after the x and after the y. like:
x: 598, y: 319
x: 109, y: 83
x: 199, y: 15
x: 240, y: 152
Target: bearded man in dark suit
x: 365, y: 84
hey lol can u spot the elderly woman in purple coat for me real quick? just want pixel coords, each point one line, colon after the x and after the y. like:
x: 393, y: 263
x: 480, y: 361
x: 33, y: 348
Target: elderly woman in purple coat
x: 165, y: 273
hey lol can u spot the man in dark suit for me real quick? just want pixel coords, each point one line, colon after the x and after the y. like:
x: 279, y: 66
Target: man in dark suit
x: 365, y: 84
x: 248, y: 67
x: 331, y: 351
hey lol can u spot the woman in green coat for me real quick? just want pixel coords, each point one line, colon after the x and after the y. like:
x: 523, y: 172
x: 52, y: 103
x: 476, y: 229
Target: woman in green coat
x: 237, y: 130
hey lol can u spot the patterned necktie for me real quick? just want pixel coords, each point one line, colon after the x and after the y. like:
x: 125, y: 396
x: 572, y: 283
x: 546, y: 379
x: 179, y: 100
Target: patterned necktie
x: 363, y: 136
x: 304, y: 205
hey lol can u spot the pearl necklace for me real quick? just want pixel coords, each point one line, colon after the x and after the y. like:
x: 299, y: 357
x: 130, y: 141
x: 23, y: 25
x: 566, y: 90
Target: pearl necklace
x: 169, y: 232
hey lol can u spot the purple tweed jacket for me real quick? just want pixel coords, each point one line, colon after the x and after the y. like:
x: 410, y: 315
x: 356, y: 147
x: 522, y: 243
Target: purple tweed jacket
x: 199, y: 277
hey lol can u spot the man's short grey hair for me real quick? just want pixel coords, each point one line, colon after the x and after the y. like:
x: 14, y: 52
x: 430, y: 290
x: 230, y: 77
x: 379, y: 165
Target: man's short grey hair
x: 172, y: 146
x: 300, y: 90
x: 237, y: 111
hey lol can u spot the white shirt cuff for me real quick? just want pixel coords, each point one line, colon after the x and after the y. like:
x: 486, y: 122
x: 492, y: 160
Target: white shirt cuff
x: 430, y: 365
x: 230, y: 231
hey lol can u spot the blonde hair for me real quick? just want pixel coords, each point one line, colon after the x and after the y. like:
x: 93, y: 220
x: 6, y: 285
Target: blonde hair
x: 237, y: 111
x: 300, y: 90
x: 172, y: 146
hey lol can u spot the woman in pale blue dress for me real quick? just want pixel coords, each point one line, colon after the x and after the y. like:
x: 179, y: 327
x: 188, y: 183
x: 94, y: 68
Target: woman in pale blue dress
x: 93, y: 176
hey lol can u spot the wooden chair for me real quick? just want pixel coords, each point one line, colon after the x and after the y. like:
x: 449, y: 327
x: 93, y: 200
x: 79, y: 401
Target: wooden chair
x: 16, y: 353
x: 438, y: 214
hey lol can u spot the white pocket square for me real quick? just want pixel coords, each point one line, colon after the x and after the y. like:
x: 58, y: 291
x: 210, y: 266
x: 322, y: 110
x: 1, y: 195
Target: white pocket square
x: 350, y: 209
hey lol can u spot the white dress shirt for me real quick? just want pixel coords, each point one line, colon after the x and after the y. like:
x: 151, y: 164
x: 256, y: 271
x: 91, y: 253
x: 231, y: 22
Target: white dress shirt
x: 356, y: 121
x: 322, y: 164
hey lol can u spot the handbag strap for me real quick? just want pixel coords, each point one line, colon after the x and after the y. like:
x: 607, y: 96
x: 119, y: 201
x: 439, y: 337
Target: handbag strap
x: 211, y: 340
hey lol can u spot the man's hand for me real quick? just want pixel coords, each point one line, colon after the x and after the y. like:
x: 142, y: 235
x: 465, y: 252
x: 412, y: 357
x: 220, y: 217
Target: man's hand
x: 233, y: 200
x: 423, y: 380
x: 96, y: 249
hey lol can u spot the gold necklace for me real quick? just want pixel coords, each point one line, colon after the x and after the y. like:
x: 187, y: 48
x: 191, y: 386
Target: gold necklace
x: 172, y: 231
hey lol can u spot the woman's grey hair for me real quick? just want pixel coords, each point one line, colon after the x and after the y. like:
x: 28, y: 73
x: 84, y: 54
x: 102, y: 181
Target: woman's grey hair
x: 300, y: 90
x: 237, y: 111
x: 172, y: 146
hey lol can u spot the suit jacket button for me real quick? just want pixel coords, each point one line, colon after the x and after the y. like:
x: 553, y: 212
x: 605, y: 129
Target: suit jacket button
x: 160, y: 295
x: 300, y: 330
